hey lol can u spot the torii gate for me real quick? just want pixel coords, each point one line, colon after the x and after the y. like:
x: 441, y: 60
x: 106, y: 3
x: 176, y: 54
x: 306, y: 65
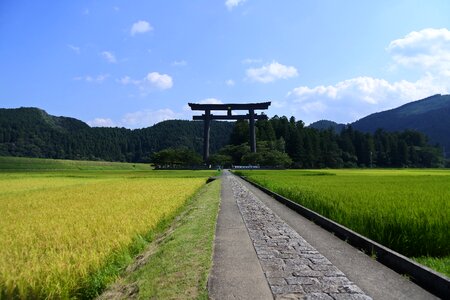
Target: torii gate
x: 207, y: 117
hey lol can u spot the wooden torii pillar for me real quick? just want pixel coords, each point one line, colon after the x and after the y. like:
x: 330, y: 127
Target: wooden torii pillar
x: 208, y: 116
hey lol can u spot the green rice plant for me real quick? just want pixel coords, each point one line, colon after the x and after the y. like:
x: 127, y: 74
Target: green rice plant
x: 405, y: 210
x: 440, y: 264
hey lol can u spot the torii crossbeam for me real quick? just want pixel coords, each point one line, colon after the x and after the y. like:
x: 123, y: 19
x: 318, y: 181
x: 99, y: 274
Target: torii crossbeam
x: 208, y: 116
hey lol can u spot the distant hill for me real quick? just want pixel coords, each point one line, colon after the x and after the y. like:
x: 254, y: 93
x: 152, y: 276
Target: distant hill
x: 430, y: 116
x: 32, y: 132
x: 326, y: 124
x: 30, y: 117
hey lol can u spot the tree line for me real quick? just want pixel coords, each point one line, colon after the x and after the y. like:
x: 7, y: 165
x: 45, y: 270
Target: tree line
x: 281, y: 142
x: 312, y: 148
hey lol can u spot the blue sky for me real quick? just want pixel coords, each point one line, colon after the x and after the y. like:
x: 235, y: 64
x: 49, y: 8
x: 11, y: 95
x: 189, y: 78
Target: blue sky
x: 135, y: 63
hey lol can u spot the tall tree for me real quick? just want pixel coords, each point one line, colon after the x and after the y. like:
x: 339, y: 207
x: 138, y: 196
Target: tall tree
x: 240, y: 133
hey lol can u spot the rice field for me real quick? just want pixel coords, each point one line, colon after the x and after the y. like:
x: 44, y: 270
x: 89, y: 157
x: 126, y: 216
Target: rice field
x: 67, y: 233
x: 405, y: 210
x: 33, y: 164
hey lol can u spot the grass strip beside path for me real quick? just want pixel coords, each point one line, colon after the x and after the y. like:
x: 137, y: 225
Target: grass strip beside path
x: 176, y: 265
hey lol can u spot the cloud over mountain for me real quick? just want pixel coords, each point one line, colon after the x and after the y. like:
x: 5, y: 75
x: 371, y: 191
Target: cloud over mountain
x: 428, y: 51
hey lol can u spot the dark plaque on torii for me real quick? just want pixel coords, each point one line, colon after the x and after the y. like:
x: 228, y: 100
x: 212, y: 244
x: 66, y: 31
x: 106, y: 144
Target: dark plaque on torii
x: 208, y: 116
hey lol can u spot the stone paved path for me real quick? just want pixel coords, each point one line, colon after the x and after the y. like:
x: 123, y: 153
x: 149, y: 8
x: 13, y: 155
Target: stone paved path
x: 293, y: 268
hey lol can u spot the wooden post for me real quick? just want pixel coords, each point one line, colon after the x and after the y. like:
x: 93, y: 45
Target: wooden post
x: 252, y: 131
x: 206, y: 129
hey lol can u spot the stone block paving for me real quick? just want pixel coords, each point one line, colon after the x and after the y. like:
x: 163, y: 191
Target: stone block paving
x: 293, y: 268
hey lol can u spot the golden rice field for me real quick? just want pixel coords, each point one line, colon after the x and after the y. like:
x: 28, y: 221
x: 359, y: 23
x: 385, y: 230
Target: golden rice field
x: 63, y: 234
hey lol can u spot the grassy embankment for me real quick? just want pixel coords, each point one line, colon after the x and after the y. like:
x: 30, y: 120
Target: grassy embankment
x: 69, y: 232
x: 405, y: 210
x: 177, y: 263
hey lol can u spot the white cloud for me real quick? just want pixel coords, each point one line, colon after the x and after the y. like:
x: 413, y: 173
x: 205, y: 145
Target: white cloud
x: 116, y: 8
x: 210, y: 101
x: 75, y: 49
x: 153, y: 80
x: 314, y: 107
x: 101, y: 122
x: 109, y: 56
x: 179, y: 63
x: 271, y: 72
x: 161, y: 81
x: 128, y: 80
x: 93, y: 79
x: 249, y: 61
x: 427, y: 49
x: 140, y: 119
x: 145, y: 118
x: 230, y: 82
x: 278, y: 104
x: 230, y: 4
x: 421, y: 38
x: 140, y: 27
x: 354, y: 98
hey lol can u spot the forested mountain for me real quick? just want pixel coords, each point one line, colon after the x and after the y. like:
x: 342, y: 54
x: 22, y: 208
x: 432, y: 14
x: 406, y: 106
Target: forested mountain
x: 430, y: 116
x: 281, y: 141
x: 326, y: 124
x: 34, y: 133
x: 313, y: 148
